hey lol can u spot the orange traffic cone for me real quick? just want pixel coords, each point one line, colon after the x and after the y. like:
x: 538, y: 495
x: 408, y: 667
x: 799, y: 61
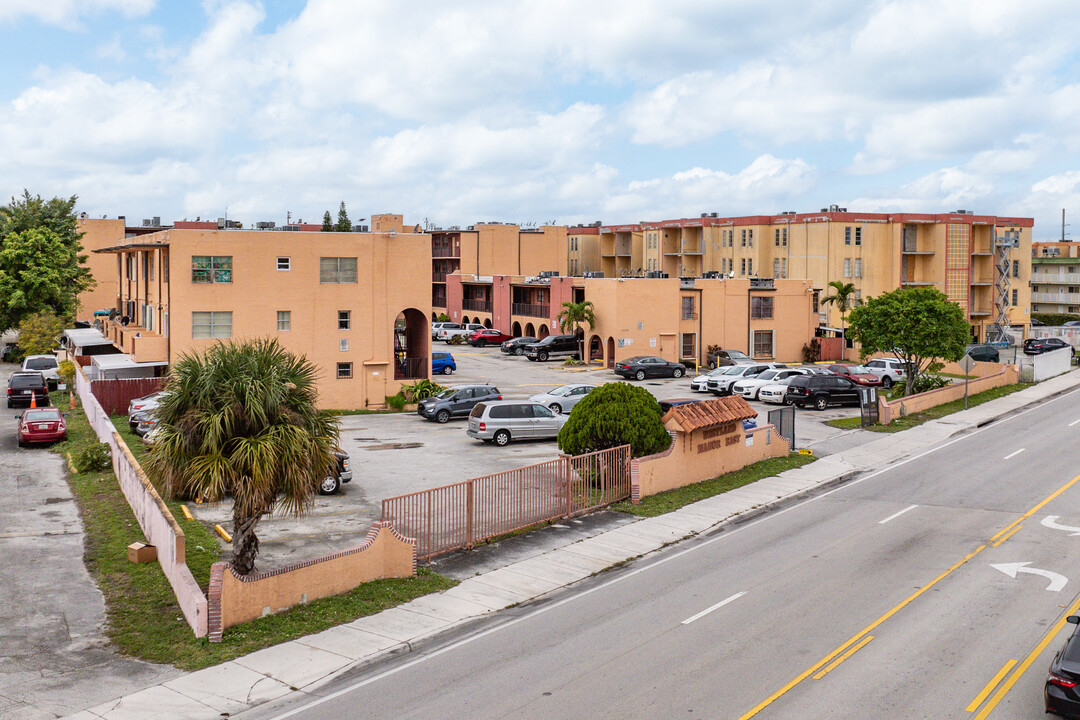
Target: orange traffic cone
x: 33, y: 399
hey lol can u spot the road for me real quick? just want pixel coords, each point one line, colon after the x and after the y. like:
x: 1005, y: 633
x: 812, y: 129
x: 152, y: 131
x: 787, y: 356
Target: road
x: 876, y: 599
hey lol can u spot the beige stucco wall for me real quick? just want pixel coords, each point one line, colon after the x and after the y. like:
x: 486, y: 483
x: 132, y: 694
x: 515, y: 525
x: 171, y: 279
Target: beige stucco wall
x: 99, y: 233
x: 704, y: 454
x: 891, y: 410
x: 234, y: 599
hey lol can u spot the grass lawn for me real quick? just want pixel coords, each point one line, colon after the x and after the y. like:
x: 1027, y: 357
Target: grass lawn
x: 910, y: 421
x: 671, y: 500
x: 144, y: 619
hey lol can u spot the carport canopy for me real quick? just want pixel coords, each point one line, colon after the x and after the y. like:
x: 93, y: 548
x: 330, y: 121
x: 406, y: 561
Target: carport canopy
x: 85, y: 337
x: 122, y: 366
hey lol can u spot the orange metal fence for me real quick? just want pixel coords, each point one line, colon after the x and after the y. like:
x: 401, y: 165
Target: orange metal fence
x: 460, y: 515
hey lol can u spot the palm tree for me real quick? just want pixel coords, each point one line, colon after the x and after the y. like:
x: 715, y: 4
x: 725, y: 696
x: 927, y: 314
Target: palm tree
x: 843, y: 298
x: 571, y: 317
x: 242, y: 420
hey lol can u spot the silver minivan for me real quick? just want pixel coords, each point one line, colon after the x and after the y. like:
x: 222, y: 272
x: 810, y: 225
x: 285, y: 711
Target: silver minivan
x: 500, y: 421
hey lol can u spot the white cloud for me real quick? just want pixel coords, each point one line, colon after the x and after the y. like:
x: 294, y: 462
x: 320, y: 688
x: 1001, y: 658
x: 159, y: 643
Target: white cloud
x: 68, y: 13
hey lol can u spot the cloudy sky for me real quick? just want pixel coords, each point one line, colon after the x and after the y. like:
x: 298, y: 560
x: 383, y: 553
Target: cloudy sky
x: 542, y: 110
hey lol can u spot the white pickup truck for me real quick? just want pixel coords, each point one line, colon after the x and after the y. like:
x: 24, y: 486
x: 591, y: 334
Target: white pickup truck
x: 449, y: 330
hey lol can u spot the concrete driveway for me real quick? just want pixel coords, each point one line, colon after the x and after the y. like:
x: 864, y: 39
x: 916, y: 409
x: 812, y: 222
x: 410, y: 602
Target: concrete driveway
x: 54, y: 658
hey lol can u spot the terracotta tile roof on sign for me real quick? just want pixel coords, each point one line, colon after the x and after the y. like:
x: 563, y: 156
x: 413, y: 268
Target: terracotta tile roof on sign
x: 718, y: 411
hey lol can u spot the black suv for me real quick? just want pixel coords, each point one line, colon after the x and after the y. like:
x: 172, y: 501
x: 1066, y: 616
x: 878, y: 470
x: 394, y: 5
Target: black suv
x: 820, y: 391
x: 26, y: 386
x: 1037, y: 346
x: 553, y: 346
x: 456, y: 402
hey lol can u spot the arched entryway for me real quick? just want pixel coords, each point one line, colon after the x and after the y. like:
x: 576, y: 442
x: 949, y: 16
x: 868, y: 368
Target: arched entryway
x: 610, y: 359
x: 542, y: 332
x: 596, y: 349
x: 515, y: 329
x: 530, y: 331
x: 465, y: 320
x: 434, y: 317
x: 487, y: 322
x: 411, y: 345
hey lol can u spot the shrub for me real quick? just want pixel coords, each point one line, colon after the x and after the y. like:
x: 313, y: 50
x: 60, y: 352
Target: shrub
x: 615, y: 414
x: 456, y: 340
x: 94, y: 458
x: 396, y: 401
x: 925, y: 383
x: 568, y: 362
x: 1054, y: 319
x: 420, y: 390
x: 443, y: 317
x: 811, y: 353
x: 66, y: 371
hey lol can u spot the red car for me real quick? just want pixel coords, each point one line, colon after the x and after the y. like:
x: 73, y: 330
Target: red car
x: 40, y: 425
x: 858, y: 374
x: 488, y: 337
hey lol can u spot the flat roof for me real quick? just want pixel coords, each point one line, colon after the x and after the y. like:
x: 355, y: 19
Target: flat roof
x: 122, y: 361
x: 85, y: 337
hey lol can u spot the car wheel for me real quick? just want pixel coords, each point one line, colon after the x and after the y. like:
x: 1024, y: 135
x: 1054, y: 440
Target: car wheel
x: 788, y: 401
x: 542, y: 357
x: 448, y: 370
x: 798, y: 404
x: 639, y: 375
x: 501, y: 438
x: 677, y: 373
x: 555, y: 408
x: 330, y: 485
x: 821, y: 402
x: 519, y: 350
x: 442, y: 416
x: 886, y: 382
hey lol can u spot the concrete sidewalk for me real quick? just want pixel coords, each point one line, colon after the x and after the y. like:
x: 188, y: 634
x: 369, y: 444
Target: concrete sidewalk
x: 311, y: 661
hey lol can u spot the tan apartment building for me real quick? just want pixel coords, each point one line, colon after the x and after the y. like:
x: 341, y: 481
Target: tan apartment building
x: 99, y: 233
x: 981, y: 262
x: 583, y: 251
x: 487, y: 249
x: 351, y: 302
x: 1055, y: 278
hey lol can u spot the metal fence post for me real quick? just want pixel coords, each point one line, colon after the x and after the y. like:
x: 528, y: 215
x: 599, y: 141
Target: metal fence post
x: 469, y: 514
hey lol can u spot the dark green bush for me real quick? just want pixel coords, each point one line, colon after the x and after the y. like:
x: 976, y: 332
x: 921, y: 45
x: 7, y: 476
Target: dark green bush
x: 95, y: 458
x: 926, y: 382
x: 1054, y: 319
x: 615, y: 414
x: 396, y: 401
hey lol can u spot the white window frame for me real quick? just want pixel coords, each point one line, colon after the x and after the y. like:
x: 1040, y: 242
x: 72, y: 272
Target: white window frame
x: 284, y: 320
x: 286, y: 265
x: 215, y: 322
x: 344, y: 371
x: 344, y: 320
x: 343, y: 344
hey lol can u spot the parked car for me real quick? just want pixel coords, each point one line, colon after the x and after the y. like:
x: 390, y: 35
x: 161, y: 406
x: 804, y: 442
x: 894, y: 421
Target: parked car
x: 727, y: 358
x: 436, y: 326
x: 666, y: 405
x: 342, y: 473
x: 701, y: 382
x: 777, y: 392
x: 821, y: 391
x: 488, y: 336
x: 145, y: 423
x: 456, y: 402
x: 517, y: 345
x: 1070, y: 323
x: 721, y: 384
x: 750, y: 387
x: 448, y: 331
x: 859, y: 374
x: 443, y: 363
x: 47, y: 365
x: 1037, y: 323
x: 24, y: 387
x: 1062, y: 689
x: 640, y: 367
x: 984, y: 352
x: 139, y: 407
x: 1037, y: 346
x: 553, y: 346
x: 563, y: 398
x: 41, y: 425
x: 501, y: 421
x: 888, y: 370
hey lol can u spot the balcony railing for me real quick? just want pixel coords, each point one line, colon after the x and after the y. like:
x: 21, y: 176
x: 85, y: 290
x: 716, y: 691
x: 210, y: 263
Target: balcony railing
x: 476, y: 305
x: 1055, y: 278
x: 536, y: 311
x: 1069, y: 298
x: 445, y: 251
x: 438, y: 277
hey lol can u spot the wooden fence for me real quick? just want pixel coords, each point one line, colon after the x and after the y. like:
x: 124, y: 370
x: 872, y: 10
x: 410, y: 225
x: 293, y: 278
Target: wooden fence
x: 114, y: 395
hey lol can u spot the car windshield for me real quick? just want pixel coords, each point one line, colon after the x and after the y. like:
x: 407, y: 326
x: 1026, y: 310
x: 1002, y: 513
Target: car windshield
x: 446, y: 394
x: 768, y: 375
x: 40, y: 363
x: 40, y: 415
x: 859, y: 369
x: 736, y: 355
x: 560, y: 391
x: 735, y: 370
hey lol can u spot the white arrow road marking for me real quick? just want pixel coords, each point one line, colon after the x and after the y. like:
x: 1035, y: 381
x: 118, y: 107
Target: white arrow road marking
x: 708, y: 610
x: 1050, y: 521
x: 1056, y: 581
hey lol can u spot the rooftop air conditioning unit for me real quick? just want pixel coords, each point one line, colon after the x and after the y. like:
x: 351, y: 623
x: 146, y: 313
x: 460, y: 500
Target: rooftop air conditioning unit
x: 157, y: 221
x: 549, y: 273
x: 709, y: 274
x: 593, y: 274
x: 146, y: 222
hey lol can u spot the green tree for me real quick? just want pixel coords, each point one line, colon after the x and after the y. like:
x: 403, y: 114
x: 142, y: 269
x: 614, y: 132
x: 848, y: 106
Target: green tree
x: 38, y: 332
x: 918, y: 325
x: 242, y: 420
x: 843, y: 297
x: 615, y: 414
x: 41, y: 268
x: 327, y: 223
x: 571, y: 317
x: 343, y: 224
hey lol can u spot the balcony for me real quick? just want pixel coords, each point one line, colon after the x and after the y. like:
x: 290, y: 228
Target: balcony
x: 913, y: 251
x: 1069, y: 298
x: 530, y: 310
x: 439, y: 277
x: 445, y: 251
x: 148, y: 346
x: 980, y: 281
x: 1047, y: 278
x: 476, y: 305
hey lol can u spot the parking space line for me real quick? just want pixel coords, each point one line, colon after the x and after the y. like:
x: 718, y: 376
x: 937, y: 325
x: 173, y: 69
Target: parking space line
x: 896, y: 515
x: 990, y: 687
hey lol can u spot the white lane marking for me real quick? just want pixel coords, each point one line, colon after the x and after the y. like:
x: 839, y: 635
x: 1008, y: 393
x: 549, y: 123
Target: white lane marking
x: 1013, y: 454
x: 1073, y: 423
x: 1056, y: 581
x: 896, y: 515
x: 708, y: 610
x: 1050, y: 521
x: 646, y: 568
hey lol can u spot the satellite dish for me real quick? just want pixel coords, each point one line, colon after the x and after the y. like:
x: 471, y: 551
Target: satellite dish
x: 731, y: 273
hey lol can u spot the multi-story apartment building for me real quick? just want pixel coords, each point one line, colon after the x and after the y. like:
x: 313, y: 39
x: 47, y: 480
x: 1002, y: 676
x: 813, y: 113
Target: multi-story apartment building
x: 583, y: 251
x: 350, y: 302
x: 1055, y: 277
x: 487, y: 249
x: 677, y: 319
x: 981, y: 262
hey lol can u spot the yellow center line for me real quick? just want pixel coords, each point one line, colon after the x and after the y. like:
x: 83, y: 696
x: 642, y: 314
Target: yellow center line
x: 835, y: 663
x: 1007, y: 685
x: 1007, y: 535
x: 865, y: 631
x: 990, y: 687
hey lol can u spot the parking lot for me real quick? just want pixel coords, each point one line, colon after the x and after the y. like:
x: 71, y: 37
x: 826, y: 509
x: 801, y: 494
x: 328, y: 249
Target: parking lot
x: 397, y: 453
